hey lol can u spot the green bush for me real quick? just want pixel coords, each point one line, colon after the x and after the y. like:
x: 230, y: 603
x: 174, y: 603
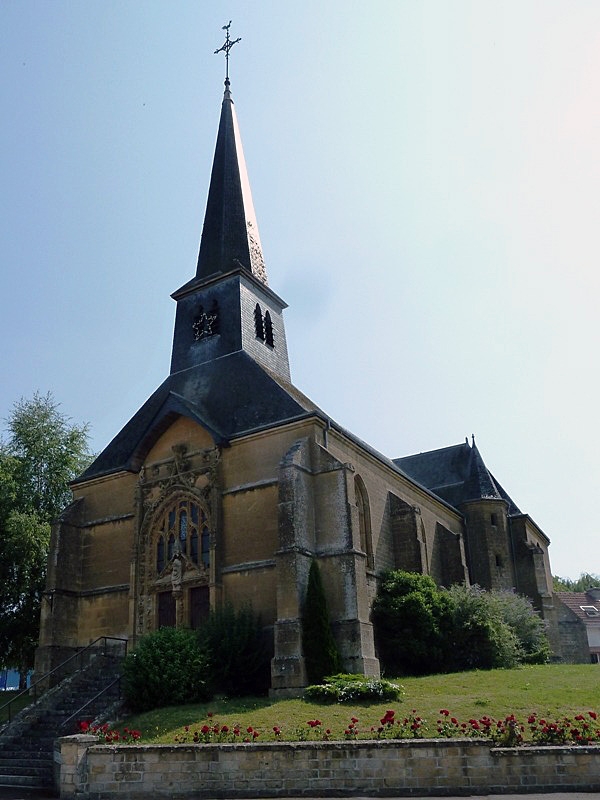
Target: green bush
x: 237, y: 651
x: 168, y: 667
x: 479, y: 637
x: 422, y: 629
x: 411, y: 617
x: 321, y: 654
x: 353, y: 689
x: 527, y: 625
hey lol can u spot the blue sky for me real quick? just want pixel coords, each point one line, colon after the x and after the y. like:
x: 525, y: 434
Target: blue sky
x: 425, y: 176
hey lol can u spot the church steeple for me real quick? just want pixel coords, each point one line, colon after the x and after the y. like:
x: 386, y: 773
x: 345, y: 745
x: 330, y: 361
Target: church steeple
x: 230, y: 235
x: 228, y: 307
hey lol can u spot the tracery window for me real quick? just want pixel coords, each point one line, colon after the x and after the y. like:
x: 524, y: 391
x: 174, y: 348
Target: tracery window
x: 184, y: 527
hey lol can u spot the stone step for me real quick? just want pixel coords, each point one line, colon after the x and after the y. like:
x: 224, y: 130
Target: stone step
x: 40, y: 772
x: 11, y: 764
x: 18, y: 781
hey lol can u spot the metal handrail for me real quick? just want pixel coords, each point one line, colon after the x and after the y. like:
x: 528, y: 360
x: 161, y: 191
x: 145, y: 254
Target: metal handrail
x: 89, y: 702
x: 78, y: 654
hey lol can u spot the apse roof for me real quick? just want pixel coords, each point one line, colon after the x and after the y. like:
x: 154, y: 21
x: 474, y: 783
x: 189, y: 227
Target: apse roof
x: 456, y: 474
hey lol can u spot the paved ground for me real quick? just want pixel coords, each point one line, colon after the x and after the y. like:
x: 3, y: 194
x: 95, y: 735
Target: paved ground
x: 7, y: 793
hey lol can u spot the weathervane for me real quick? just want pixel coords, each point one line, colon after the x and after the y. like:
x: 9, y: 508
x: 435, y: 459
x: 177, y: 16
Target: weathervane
x: 226, y: 48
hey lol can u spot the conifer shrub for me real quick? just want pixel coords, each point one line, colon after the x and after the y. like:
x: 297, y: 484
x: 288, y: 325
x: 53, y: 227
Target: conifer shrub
x: 238, y: 651
x: 321, y: 654
x: 168, y: 667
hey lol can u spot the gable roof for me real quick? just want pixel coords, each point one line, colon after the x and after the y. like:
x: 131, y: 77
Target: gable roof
x: 230, y: 396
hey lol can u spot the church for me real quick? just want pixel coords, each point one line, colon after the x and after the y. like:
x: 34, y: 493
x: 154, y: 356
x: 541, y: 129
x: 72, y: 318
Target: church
x: 228, y: 482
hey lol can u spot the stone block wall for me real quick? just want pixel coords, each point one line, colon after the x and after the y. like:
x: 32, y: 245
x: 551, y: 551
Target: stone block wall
x: 320, y: 769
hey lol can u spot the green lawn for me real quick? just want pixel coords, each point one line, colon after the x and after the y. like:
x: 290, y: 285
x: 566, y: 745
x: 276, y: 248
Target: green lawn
x: 553, y: 691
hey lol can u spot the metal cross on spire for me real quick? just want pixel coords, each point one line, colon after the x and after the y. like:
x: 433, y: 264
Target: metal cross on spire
x: 226, y: 48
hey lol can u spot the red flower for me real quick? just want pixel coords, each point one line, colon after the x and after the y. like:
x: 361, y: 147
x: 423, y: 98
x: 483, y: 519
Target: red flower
x: 593, y: 714
x: 204, y: 729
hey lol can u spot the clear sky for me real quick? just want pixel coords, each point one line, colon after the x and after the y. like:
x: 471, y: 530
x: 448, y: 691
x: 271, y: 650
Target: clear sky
x: 426, y: 177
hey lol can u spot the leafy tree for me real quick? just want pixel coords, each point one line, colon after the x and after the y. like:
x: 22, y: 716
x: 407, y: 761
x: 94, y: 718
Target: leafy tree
x: 526, y: 624
x: 42, y: 453
x: 587, y: 580
x: 479, y: 637
x: 420, y: 628
x: 411, y: 618
x: 321, y: 654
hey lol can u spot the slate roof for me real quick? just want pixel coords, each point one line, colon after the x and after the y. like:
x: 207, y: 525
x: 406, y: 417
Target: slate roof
x: 229, y: 396
x: 456, y: 474
x: 230, y: 232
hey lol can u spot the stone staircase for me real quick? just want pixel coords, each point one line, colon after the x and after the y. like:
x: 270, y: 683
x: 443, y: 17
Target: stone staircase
x: 27, y: 743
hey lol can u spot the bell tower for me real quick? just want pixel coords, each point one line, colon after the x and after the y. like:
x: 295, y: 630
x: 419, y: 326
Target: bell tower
x: 228, y: 305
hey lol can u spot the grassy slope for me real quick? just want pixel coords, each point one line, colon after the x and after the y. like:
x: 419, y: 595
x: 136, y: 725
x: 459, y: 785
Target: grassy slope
x: 551, y: 690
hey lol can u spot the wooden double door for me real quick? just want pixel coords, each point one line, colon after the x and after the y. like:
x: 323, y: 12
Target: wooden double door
x: 198, y: 608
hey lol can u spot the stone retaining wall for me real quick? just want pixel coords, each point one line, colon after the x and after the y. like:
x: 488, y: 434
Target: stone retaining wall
x: 89, y: 771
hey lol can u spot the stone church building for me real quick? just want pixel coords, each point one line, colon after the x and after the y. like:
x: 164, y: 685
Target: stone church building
x: 228, y: 481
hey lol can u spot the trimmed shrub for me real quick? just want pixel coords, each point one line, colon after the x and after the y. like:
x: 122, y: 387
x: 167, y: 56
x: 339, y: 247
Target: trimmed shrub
x: 353, y: 689
x: 321, y: 654
x: 168, y: 667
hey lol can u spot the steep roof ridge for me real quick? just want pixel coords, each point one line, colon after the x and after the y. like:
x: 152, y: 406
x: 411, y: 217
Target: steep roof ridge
x: 230, y: 234
x: 480, y: 483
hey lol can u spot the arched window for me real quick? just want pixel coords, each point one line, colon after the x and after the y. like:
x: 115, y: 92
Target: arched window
x: 258, y: 323
x: 364, y: 520
x: 205, y: 546
x: 160, y: 554
x: 269, y: 330
x: 183, y: 527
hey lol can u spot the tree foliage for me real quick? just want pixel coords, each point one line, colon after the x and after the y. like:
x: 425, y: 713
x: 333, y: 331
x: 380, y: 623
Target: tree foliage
x: 587, y: 580
x: 321, y: 654
x: 43, y: 451
x: 411, y: 617
x: 422, y: 629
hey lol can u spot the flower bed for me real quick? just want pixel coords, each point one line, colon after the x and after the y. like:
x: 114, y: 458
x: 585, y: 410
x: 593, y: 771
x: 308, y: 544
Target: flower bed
x: 581, y: 729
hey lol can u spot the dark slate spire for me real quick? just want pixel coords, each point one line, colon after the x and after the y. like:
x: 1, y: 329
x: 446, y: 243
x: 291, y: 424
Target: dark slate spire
x: 479, y: 483
x: 230, y: 236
